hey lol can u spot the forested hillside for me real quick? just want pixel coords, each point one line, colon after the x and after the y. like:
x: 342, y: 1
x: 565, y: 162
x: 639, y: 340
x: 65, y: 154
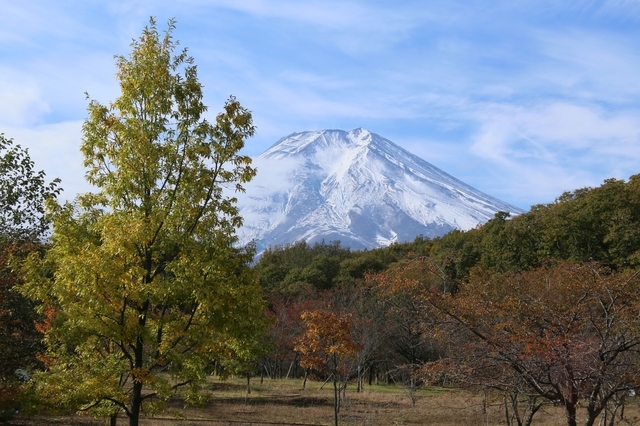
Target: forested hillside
x: 587, y: 225
x: 542, y: 306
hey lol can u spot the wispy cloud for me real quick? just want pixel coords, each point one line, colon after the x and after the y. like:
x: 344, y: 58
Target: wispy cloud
x: 55, y: 149
x: 521, y: 99
x: 337, y: 15
x: 20, y: 100
x: 595, y: 65
x: 558, y: 147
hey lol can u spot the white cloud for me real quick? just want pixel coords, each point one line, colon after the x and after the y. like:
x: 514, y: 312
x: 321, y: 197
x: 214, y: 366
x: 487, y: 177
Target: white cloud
x: 592, y: 65
x: 331, y: 14
x: 20, y: 102
x: 55, y: 149
x: 356, y: 28
x: 557, y: 127
x: 544, y: 151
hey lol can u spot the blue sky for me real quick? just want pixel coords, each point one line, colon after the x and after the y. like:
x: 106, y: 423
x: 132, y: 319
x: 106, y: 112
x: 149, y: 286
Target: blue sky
x: 521, y: 99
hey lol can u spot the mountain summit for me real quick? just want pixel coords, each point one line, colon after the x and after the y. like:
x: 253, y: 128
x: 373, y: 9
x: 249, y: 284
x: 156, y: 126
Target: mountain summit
x: 356, y: 187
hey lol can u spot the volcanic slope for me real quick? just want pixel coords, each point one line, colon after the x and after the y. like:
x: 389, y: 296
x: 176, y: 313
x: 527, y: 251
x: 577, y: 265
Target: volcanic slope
x: 356, y: 187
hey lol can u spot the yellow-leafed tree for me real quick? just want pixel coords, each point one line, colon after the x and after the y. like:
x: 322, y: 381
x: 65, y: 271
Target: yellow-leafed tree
x: 142, y: 286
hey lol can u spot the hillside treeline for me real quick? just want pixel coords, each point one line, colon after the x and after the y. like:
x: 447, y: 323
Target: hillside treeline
x: 542, y: 307
x: 587, y: 225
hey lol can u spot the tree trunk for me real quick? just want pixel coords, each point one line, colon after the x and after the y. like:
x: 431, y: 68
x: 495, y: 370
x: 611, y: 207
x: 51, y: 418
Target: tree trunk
x: 336, y: 399
x: 266, y: 369
x: 594, y: 409
x: 484, y: 401
x: 570, y: 410
x: 136, y: 403
x: 507, y: 414
x: 512, y: 398
x: 248, y: 384
x: 291, y: 366
x: 371, y: 371
x: 591, y: 418
x: 533, y: 409
x: 136, y: 392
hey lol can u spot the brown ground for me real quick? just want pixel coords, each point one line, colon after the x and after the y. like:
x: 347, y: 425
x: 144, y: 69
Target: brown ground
x: 283, y: 402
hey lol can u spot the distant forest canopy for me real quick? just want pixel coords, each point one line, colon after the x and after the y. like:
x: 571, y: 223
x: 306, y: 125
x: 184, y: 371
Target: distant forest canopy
x: 586, y: 225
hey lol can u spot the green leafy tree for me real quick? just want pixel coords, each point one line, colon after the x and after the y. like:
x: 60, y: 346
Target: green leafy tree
x: 299, y: 269
x: 23, y: 192
x: 458, y: 252
x: 596, y: 224
x: 144, y: 283
x: 357, y: 267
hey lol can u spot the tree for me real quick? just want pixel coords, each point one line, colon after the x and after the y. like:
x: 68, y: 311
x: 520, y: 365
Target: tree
x: 327, y: 345
x: 565, y: 333
x: 299, y: 269
x: 369, y: 325
x: 23, y: 192
x: 595, y: 224
x: 286, y: 329
x: 409, y: 318
x: 146, y: 285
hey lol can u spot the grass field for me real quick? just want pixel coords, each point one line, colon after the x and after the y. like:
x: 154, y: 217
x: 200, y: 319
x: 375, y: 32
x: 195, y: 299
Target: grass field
x: 283, y: 402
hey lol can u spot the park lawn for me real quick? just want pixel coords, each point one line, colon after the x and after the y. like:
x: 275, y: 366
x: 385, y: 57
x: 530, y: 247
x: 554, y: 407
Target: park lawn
x: 284, y: 402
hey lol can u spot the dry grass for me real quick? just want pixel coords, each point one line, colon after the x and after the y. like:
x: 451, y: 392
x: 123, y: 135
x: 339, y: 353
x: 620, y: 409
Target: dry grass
x: 283, y: 402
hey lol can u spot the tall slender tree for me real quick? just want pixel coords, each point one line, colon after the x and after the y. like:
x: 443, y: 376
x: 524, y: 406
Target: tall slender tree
x: 144, y: 286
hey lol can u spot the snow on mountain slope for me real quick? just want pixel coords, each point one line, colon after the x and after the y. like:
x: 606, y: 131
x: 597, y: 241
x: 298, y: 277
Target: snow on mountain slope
x: 356, y: 187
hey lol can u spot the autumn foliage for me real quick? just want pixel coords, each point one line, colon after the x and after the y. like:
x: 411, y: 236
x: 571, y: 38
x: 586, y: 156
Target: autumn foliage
x: 565, y: 333
x: 327, y: 346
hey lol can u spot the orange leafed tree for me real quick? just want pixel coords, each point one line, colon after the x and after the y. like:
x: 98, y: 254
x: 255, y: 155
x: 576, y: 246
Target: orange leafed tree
x: 566, y: 333
x: 563, y: 332
x: 327, y: 346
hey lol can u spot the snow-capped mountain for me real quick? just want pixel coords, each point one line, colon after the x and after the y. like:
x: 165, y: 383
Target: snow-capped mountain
x: 356, y: 187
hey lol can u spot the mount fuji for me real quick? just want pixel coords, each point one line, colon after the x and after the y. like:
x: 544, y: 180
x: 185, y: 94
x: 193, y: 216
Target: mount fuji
x: 356, y: 187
